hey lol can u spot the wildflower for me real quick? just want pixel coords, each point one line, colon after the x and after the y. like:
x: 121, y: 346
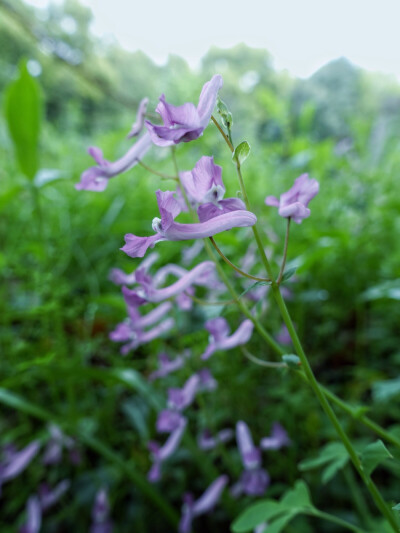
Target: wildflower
x: 276, y: 440
x: 204, y: 183
x: 161, y: 453
x: 34, y: 516
x: 138, y: 125
x: 203, y: 505
x: 96, y: 178
x: 56, y: 443
x: 101, y: 522
x: 119, y: 277
x: 207, y: 442
x: 166, y: 366
x: 167, y: 229
x: 207, y: 381
x: 179, y: 399
x: 283, y: 336
x: 186, y: 122
x: 219, y: 335
x: 15, y: 462
x: 294, y: 202
x: 48, y: 496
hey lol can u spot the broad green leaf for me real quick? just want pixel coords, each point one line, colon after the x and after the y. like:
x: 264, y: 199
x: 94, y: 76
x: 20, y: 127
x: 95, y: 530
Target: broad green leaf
x: 256, y: 514
x: 277, y: 525
x: 241, y: 153
x: 225, y: 114
x: 298, y: 497
x: 23, y: 109
x: 373, y: 455
x: 333, y: 455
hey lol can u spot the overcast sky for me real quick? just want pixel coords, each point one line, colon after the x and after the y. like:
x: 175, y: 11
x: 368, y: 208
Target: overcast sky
x: 301, y: 35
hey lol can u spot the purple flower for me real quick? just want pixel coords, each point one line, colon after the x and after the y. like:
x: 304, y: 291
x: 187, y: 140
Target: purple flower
x: 167, y: 229
x: 186, y: 122
x: 254, y: 480
x: 15, y: 462
x: 219, y: 335
x: 283, y: 336
x: 204, y: 183
x: 168, y: 421
x: 207, y: 442
x: 276, y: 440
x: 96, y: 178
x: 179, y: 399
x: 119, y: 277
x: 161, y: 453
x: 166, y: 366
x: 207, y: 381
x: 56, y: 443
x: 48, y: 497
x: 294, y: 202
x: 138, y: 125
x: 101, y: 522
x: 203, y: 505
x: 34, y: 516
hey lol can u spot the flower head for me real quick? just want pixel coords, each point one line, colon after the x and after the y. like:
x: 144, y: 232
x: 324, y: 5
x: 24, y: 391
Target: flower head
x: 186, y: 122
x: 294, y: 202
x: 96, y: 178
x: 219, y: 335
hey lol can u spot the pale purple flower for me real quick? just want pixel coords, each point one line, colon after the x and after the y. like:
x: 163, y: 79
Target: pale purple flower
x: 49, y: 497
x: 96, y: 178
x: 276, y: 440
x: 294, y: 202
x: 219, y: 335
x: 15, y: 462
x: 186, y: 122
x: 204, y: 183
x: 166, y: 366
x: 207, y: 381
x: 125, y: 332
x: 179, y: 399
x: 206, y: 441
x: 211, y: 210
x: 56, y: 443
x: 34, y: 516
x: 203, y: 505
x: 137, y: 126
x: 161, y: 453
x: 101, y: 522
x: 119, y: 277
x: 283, y: 336
x: 254, y: 479
x: 167, y: 229
x: 168, y: 421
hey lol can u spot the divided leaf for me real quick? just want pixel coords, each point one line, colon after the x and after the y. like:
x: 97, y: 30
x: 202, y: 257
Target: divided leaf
x: 333, y: 456
x: 373, y: 455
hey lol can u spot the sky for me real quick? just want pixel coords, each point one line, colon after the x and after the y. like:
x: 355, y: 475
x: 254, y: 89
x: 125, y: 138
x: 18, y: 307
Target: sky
x: 301, y: 35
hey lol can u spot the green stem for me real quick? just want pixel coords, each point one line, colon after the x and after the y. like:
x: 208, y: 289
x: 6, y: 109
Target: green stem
x: 285, y: 249
x: 250, y: 276
x: 375, y: 494
x: 260, y: 362
x: 336, y: 520
x: 157, y: 173
x: 358, y: 497
x: 226, y: 138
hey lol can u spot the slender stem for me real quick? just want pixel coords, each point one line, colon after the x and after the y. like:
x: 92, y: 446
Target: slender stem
x: 157, y: 173
x: 358, y: 497
x: 376, y: 496
x: 336, y: 520
x: 260, y: 362
x: 250, y: 276
x: 285, y: 249
x: 227, y: 140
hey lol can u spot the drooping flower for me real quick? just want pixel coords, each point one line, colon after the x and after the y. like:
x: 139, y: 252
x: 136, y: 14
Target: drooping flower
x: 15, y: 462
x: 161, y: 453
x: 96, y: 178
x: 168, y: 421
x: 207, y: 501
x: 186, y: 122
x: 166, y: 366
x: 50, y: 496
x: 294, y: 202
x: 167, y: 229
x: 207, y: 381
x: 276, y: 440
x: 179, y: 399
x: 204, y: 182
x: 206, y: 441
x: 101, y: 522
x: 137, y: 126
x: 119, y: 277
x: 254, y: 479
x: 219, y: 335
x: 33, y: 516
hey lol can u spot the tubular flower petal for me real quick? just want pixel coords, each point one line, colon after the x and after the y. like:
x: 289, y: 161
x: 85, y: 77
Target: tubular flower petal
x: 16, y: 462
x: 96, y: 178
x: 138, y: 125
x: 161, y: 453
x: 167, y: 229
x: 124, y: 332
x: 203, y: 505
x: 204, y: 183
x: 101, y: 522
x: 168, y: 421
x: 276, y: 440
x: 166, y: 366
x: 49, y: 497
x: 186, y: 122
x: 294, y: 202
x: 34, y: 516
x: 219, y: 335
x: 119, y: 277
x: 179, y: 399
x: 207, y: 442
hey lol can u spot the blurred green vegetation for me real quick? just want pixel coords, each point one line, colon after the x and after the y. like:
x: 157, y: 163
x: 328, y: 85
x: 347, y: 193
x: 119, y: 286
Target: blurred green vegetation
x: 57, y: 306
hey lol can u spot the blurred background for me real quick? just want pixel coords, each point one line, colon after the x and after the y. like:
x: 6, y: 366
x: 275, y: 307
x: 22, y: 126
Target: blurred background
x: 312, y: 91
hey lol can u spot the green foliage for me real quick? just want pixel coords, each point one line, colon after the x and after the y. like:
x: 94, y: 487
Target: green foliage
x: 333, y: 457
x: 241, y: 152
x: 23, y: 109
x: 373, y: 455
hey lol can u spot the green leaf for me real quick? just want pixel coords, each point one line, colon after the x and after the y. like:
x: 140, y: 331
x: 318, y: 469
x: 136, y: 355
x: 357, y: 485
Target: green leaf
x: 277, y: 525
x: 225, y: 114
x: 298, y: 497
x: 288, y: 274
x: 373, y: 455
x: 333, y: 455
x: 256, y: 514
x: 385, y: 391
x: 396, y: 507
x: 291, y: 360
x: 241, y: 152
x: 23, y: 110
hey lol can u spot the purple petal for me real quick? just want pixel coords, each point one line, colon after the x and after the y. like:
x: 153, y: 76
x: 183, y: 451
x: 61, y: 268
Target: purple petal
x: 49, y: 497
x: 168, y: 206
x: 92, y: 179
x: 168, y: 421
x: 272, y: 201
x: 97, y: 154
x: 34, y: 516
x: 19, y: 461
x: 181, y: 398
x: 218, y: 327
x: 210, y: 497
x: 166, y: 367
x: 207, y: 442
x: 153, y: 316
x: 241, y: 336
x: 183, y: 115
x: 254, y: 482
x: 101, y: 507
x: 137, y: 246
x: 211, y: 210
x: 208, y: 98
x: 297, y: 211
x: 172, y: 443
x: 248, y: 451
x: 277, y: 440
x: 204, y: 182
x: 207, y: 380
x: 138, y: 125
